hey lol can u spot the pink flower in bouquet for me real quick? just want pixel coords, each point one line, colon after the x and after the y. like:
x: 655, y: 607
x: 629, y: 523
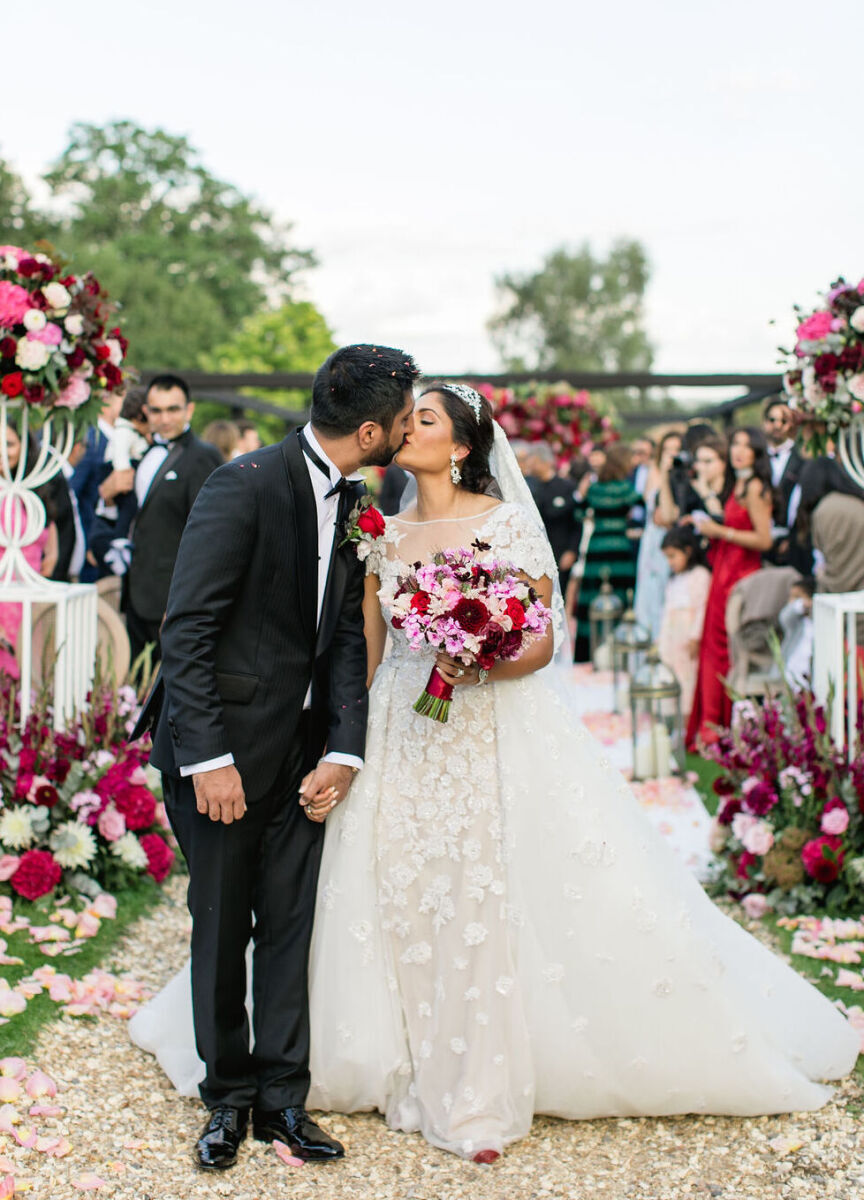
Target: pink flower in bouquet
x: 759, y: 797
x: 815, y: 327
x: 138, y: 806
x: 86, y: 805
x: 111, y: 824
x: 855, y: 384
x: 835, y: 817
x: 160, y: 856
x: 8, y: 866
x: 755, y: 905
x: 38, y: 874
x: 74, y: 394
x: 49, y: 335
x: 757, y: 837
x: 14, y: 303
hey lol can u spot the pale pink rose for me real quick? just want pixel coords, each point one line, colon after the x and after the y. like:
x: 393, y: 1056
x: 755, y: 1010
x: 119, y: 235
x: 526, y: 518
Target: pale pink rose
x: 57, y: 295
x: 50, y: 335
x: 74, y: 325
x: 755, y: 906
x: 116, y: 351
x: 111, y: 824
x: 31, y: 355
x: 759, y: 838
x: 74, y: 394
x: 742, y: 824
x: 8, y: 866
x: 12, y: 255
x: 815, y: 328
x: 835, y: 821
x: 84, y: 804
x: 855, y: 384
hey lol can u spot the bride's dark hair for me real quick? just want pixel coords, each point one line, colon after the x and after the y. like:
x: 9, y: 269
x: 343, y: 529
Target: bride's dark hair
x: 477, y: 434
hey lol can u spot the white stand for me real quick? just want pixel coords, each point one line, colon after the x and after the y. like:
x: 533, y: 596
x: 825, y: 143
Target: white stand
x: 835, y: 660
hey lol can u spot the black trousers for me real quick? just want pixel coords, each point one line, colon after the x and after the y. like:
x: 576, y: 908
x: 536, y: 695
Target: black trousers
x: 261, y: 869
x: 141, y: 631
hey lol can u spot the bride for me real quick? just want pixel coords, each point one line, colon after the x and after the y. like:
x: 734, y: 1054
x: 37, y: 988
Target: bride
x: 499, y: 930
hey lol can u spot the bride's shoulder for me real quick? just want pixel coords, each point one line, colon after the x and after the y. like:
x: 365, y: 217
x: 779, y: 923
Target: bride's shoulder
x: 509, y: 512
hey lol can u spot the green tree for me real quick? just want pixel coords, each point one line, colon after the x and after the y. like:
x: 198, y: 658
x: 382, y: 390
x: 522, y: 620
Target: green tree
x: 293, y: 337
x: 577, y: 312
x: 20, y: 224
x: 187, y: 255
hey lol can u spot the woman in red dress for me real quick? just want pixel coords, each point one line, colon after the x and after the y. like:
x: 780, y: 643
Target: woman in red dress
x: 737, y: 545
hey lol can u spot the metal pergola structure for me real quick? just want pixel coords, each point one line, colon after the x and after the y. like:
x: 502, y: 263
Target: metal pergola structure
x: 227, y: 390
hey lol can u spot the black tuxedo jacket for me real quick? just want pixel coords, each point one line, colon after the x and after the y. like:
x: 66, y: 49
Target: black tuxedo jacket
x: 240, y: 645
x: 786, y: 485
x: 159, y: 523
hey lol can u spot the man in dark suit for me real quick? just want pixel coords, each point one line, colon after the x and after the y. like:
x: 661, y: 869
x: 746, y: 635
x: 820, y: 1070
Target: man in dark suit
x: 787, y: 463
x: 263, y: 673
x: 167, y: 480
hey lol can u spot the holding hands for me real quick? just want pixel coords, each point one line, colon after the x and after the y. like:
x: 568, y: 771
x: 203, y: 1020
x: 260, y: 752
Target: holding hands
x: 325, y: 787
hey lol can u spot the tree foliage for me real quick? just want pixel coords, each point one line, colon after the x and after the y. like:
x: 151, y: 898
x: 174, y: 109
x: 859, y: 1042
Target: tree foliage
x: 187, y: 255
x: 19, y: 222
x: 577, y: 312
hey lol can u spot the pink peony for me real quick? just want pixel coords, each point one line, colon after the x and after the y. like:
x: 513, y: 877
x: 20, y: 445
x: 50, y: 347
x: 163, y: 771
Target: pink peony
x: 74, y: 394
x: 14, y: 303
x: 815, y: 327
x: 759, y: 838
x: 50, y: 335
x: 835, y: 820
x: 755, y: 905
x: 160, y: 856
x: 111, y: 824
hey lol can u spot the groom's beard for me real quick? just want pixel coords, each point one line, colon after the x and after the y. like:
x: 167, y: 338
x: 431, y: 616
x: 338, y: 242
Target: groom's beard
x: 382, y: 457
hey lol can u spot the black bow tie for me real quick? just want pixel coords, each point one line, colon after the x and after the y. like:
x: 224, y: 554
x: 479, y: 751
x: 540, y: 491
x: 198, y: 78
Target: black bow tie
x: 775, y: 453
x: 343, y: 485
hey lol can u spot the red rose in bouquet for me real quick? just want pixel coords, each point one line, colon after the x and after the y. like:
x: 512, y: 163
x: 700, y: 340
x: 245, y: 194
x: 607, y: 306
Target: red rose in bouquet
x: 37, y: 874
x: 371, y: 521
x: 823, y: 858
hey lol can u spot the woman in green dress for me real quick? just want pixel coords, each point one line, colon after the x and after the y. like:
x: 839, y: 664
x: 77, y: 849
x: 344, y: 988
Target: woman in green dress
x: 610, y: 553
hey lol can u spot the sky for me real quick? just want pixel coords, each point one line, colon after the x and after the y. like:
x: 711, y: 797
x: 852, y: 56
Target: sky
x: 423, y: 150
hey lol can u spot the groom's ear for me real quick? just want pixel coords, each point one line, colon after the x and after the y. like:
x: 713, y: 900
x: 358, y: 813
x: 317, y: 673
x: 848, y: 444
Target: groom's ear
x: 367, y: 434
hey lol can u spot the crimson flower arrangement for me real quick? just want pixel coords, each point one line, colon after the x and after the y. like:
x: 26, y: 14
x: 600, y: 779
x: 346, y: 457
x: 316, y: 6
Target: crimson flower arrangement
x: 77, y: 810
x: 824, y: 377
x: 789, y: 832
x: 474, y: 608
x: 56, y: 350
x: 570, y: 422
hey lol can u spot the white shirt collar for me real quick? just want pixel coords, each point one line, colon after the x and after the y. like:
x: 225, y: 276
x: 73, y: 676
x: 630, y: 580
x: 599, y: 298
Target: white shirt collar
x: 104, y: 427
x: 784, y: 447
x: 335, y: 473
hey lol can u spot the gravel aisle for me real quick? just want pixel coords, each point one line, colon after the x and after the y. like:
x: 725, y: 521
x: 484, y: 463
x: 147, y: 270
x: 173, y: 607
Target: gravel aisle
x: 128, y: 1127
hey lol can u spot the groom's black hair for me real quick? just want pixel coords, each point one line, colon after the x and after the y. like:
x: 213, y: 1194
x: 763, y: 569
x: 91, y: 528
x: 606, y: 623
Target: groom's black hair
x: 361, y: 383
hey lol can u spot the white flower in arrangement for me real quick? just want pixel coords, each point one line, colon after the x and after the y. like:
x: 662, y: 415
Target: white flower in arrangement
x: 16, y: 829
x: 73, y: 844
x: 74, y: 325
x: 857, y: 319
x: 34, y: 320
x: 116, y: 351
x: 130, y: 851
x: 32, y: 356
x: 57, y: 296
x: 855, y: 384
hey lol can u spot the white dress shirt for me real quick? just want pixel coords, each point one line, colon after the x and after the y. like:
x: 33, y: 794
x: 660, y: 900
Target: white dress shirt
x: 327, y: 510
x: 779, y: 456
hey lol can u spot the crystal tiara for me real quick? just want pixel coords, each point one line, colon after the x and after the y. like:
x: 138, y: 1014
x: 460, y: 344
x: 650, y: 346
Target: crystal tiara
x: 472, y: 398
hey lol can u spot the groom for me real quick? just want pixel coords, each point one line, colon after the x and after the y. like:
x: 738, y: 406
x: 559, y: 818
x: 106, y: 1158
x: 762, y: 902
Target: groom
x: 263, y: 696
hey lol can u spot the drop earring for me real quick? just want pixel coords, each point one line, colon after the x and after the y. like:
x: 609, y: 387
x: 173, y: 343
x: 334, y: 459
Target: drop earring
x: 455, y: 473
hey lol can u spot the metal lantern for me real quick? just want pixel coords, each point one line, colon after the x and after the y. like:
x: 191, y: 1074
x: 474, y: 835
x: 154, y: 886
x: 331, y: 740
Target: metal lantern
x: 655, y: 709
x: 604, y: 612
x: 630, y: 640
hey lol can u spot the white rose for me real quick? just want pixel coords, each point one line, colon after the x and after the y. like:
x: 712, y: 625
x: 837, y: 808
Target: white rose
x: 116, y: 351
x: 16, y: 829
x: 57, y: 296
x: 130, y: 851
x: 32, y: 356
x: 35, y: 319
x: 857, y: 319
x: 855, y: 383
x: 74, y: 325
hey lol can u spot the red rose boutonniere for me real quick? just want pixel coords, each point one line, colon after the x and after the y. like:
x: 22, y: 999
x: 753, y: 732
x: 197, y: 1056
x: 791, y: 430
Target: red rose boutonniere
x: 365, y: 523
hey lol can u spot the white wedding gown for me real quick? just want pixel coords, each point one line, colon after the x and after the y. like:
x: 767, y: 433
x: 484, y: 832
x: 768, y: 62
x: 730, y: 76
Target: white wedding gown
x: 500, y: 931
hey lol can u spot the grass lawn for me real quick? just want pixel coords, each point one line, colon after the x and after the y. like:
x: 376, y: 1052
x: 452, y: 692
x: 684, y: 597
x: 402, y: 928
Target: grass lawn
x: 19, y: 1036
x: 707, y: 772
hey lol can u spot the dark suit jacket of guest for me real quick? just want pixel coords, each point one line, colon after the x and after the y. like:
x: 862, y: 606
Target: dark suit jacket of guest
x: 160, y: 521
x: 64, y: 519
x: 90, y: 472
x: 786, y: 485
x: 240, y: 645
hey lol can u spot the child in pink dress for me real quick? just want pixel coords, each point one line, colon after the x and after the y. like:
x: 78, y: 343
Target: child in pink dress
x: 684, y: 609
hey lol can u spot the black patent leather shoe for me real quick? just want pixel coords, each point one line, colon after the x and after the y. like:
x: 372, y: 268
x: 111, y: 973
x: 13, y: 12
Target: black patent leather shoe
x: 217, y: 1147
x: 298, y: 1131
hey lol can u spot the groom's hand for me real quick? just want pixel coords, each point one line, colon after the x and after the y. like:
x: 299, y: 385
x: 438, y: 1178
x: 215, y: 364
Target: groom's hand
x: 219, y: 794
x: 322, y: 789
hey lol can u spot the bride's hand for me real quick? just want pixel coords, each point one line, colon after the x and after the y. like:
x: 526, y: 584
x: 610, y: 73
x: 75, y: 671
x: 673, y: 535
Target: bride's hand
x: 325, y: 787
x: 453, y: 671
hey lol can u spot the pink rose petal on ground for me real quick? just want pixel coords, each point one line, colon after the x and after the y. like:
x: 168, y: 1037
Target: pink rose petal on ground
x: 88, y: 925
x: 286, y: 1156
x: 25, y: 1136
x: 9, y: 1118
x: 46, y: 1110
x: 10, y: 1090
x: 7, y: 1187
x: 105, y: 905
x: 40, y: 1084
x: 88, y: 1182
x: 850, y: 979
x: 16, y: 1067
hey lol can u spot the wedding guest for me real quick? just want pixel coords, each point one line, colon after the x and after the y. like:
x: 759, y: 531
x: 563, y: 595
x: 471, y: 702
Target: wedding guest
x: 820, y: 478
x: 683, y: 609
x: 224, y: 435
x: 608, y: 555
x: 248, y: 437
x: 652, y: 570
x: 786, y: 466
x: 167, y: 480
x: 41, y: 555
x: 93, y: 468
x: 737, y: 546
x: 642, y: 452
x: 554, y: 498
x: 796, y: 622
x: 392, y: 489
x: 696, y: 480
x: 109, y: 547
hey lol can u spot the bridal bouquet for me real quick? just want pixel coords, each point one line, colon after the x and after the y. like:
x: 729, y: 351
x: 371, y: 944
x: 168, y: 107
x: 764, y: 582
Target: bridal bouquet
x: 825, y: 373
x: 474, y: 608
x: 56, y: 350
